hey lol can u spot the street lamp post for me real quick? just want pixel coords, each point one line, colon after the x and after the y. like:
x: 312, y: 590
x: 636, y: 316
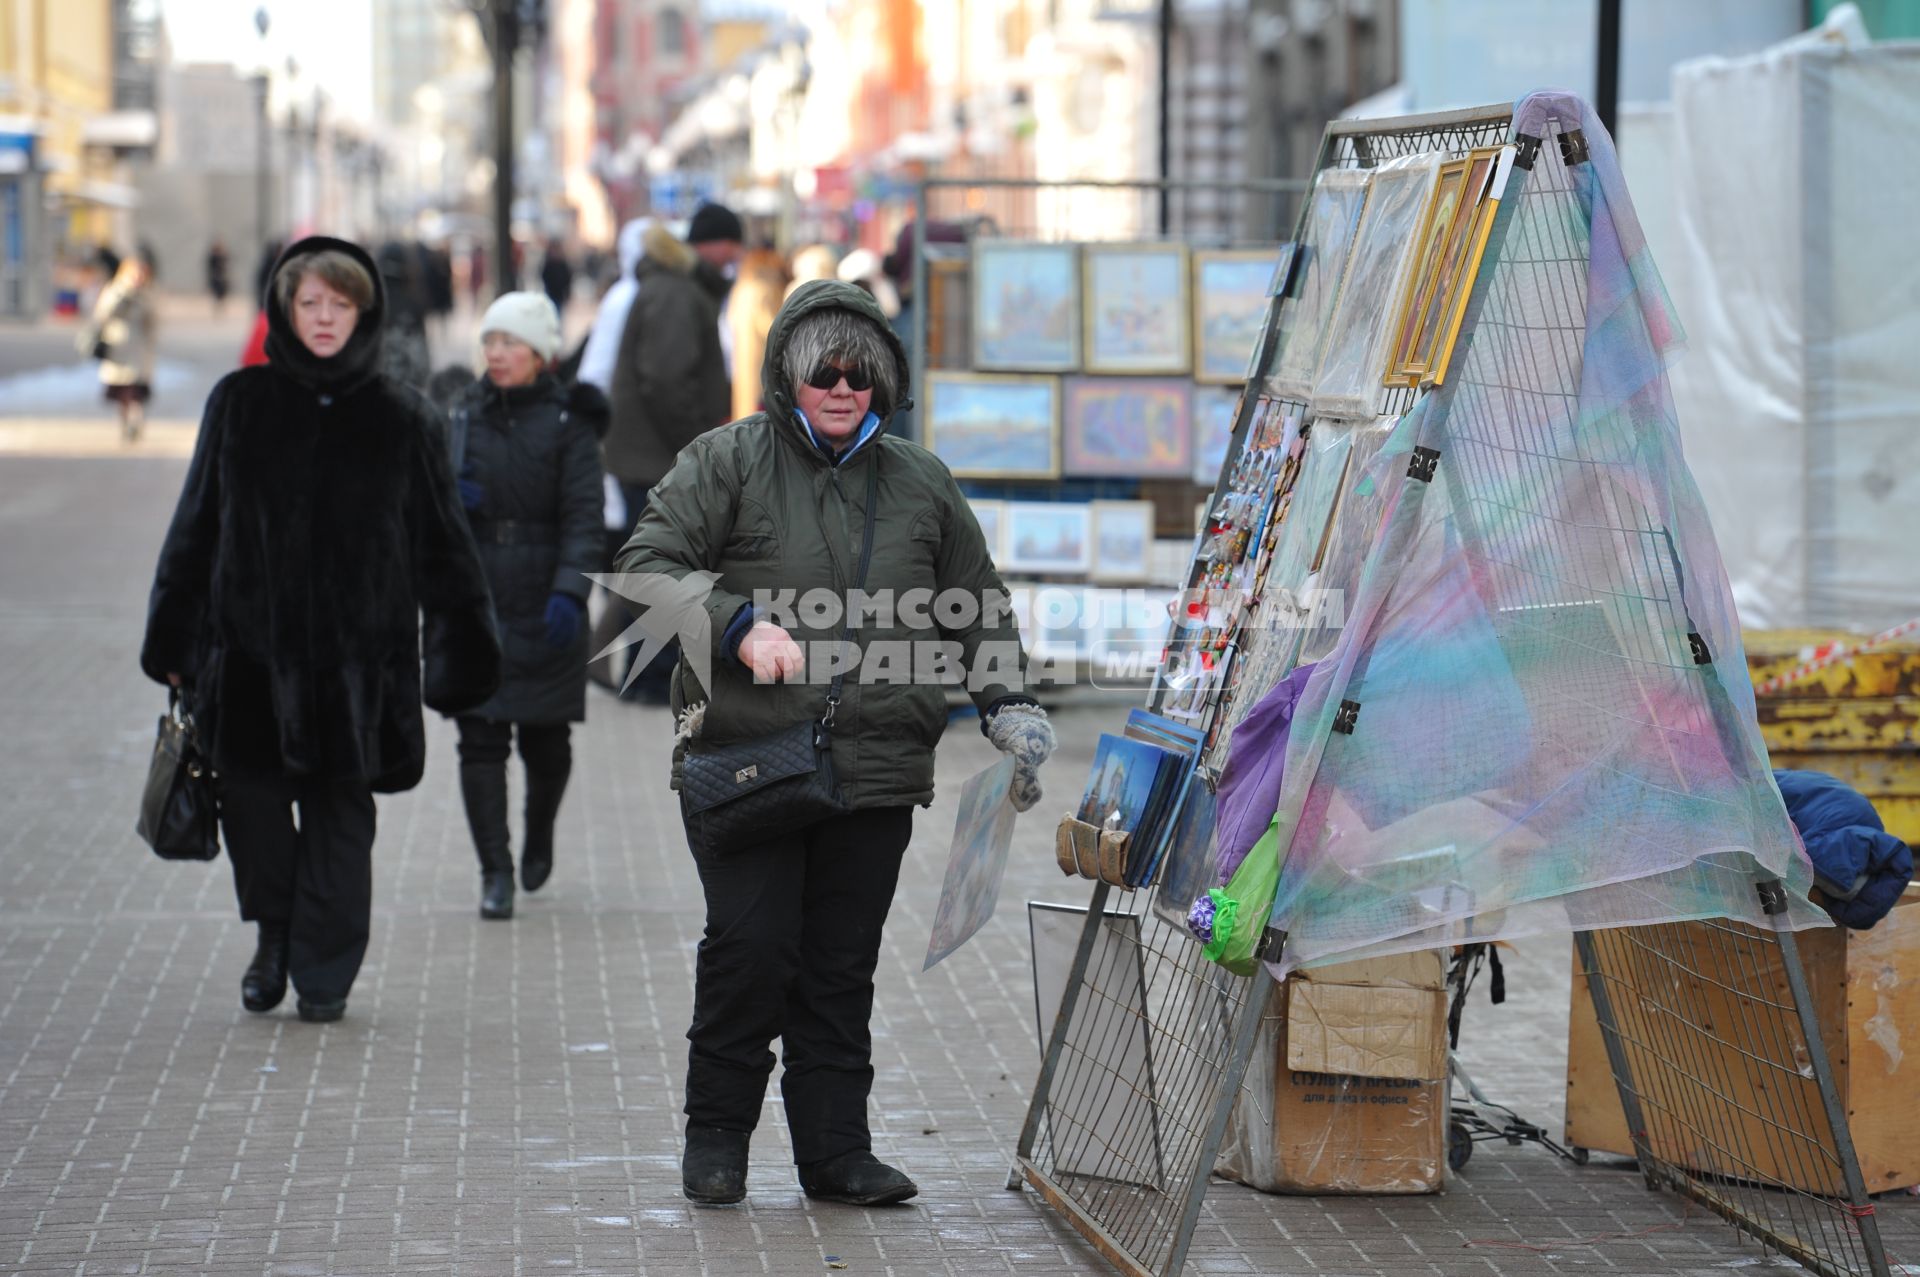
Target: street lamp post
x: 505, y: 23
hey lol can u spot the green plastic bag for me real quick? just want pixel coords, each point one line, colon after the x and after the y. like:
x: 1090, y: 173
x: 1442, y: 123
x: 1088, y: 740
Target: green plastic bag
x: 1241, y: 908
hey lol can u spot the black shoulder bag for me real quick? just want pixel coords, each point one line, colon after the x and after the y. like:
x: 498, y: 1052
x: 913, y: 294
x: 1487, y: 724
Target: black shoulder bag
x: 179, y: 813
x: 736, y: 794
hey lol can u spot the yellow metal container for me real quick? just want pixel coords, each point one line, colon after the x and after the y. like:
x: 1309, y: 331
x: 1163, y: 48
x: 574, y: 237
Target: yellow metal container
x: 1858, y: 719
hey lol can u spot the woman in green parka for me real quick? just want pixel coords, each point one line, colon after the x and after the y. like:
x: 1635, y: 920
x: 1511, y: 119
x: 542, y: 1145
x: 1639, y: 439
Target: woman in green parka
x: 771, y: 511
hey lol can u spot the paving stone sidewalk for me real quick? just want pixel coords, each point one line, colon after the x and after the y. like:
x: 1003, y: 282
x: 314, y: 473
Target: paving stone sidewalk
x: 503, y: 1098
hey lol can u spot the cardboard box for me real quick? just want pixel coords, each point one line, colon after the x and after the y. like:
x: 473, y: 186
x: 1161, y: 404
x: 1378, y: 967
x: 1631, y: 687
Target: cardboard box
x: 1866, y: 992
x: 1347, y: 1088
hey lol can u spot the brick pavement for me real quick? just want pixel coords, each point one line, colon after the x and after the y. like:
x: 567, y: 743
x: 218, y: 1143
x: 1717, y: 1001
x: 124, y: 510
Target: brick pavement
x: 503, y: 1097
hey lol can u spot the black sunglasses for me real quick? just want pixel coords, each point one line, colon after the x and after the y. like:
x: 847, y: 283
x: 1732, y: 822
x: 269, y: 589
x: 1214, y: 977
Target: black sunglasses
x: 826, y: 377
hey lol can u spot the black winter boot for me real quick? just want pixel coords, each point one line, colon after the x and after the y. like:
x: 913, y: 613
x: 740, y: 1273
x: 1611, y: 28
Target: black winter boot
x: 264, y: 985
x: 546, y: 785
x: 496, y: 895
x: 483, y: 786
x: 713, y: 1170
x: 858, y: 1179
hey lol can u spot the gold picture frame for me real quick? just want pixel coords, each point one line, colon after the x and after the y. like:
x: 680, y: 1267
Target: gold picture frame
x: 1451, y: 238
x: 994, y: 425
x: 1137, y: 309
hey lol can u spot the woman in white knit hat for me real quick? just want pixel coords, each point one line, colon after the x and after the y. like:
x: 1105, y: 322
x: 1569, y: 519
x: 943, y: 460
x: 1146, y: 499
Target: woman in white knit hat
x: 526, y: 451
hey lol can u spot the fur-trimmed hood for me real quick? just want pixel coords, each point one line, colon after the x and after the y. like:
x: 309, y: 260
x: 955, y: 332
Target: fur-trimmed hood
x: 661, y: 249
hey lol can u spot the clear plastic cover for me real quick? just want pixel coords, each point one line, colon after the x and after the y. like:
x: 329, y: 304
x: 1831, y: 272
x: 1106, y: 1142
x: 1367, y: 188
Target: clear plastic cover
x: 1338, y: 197
x: 1360, y: 337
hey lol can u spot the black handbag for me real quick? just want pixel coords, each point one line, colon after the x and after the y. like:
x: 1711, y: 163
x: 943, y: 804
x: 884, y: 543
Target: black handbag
x: 179, y: 812
x: 739, y: 793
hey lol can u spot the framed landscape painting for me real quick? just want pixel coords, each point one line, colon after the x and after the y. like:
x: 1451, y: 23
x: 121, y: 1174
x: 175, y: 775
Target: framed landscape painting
x: 992, y: 518
x: 1128, y: 427
x: 1231, y: 296
x: 1137, y: 307
x: 1122, y: 541
x: 1026, y: 311
x: 1049, y: 537
x: 994, y: 427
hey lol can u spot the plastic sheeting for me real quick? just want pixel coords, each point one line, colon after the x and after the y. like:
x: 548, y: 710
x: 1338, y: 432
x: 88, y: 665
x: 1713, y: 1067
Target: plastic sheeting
x: 1796, y: 174
x: 1374, y: 290
x: 1551, y: 726
x: 1339, y: 195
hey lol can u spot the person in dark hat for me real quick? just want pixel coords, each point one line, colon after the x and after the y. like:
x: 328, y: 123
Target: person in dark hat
x: 670, y: 380
x: 716, y: 237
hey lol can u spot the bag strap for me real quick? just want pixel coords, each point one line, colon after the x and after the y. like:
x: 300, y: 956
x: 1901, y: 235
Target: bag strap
x: 860, y: 583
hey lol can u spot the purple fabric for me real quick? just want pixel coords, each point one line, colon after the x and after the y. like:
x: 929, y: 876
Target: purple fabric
x: 1249, y: 786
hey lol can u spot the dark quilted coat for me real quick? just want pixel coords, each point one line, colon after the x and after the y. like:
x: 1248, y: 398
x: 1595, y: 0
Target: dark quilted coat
x: 535, y: 452
x: 318, y: 522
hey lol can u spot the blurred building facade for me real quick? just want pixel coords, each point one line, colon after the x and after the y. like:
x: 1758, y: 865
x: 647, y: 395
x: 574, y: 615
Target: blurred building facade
x: 432, y: 94
x: 63, y: 180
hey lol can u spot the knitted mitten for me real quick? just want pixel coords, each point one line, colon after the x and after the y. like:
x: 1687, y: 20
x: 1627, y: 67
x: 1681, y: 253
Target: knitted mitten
x: 1023, y: 732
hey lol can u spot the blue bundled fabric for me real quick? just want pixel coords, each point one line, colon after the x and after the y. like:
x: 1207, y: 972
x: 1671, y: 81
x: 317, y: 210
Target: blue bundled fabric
x: 1857, y: 864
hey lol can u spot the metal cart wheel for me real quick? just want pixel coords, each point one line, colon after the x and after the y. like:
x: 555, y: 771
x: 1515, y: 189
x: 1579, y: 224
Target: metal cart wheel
x: 1459, y: 1145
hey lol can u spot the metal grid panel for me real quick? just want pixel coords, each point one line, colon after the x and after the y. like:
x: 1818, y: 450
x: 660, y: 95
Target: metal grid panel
x: 1152, y: 1040
x: 1727, y: 1085
x: 1155, y: 1040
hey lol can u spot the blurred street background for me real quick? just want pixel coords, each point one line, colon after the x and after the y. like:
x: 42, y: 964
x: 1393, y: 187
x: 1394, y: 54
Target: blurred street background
x: 508, y: 1107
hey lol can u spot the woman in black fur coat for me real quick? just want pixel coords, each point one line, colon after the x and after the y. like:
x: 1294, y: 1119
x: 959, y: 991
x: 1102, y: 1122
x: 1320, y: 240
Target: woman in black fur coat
x: 319, y: 520
x: 528, y: 456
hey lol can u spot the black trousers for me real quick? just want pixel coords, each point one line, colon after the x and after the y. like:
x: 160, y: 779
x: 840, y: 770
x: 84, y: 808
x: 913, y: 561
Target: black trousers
x: 792, y: 940
x: 546, y: 751
x: 545, y: 748
x: 316, y: 876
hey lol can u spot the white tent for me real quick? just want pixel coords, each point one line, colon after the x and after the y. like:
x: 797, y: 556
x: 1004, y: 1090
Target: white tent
x: 1797, y: 206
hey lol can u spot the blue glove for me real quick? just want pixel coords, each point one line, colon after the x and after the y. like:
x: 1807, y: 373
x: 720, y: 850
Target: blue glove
x: 472, y: 493
x: 564, y: 613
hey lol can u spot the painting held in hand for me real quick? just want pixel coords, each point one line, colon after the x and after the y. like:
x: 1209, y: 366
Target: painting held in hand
x: 982, y: 839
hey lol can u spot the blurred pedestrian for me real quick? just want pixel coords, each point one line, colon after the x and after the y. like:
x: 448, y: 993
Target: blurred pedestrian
x: 219, y: 281
x: 718, y: 238
x: 610, y: 320
x: 815, y: 261
x: 757, y: 293
x: 406, y: 356
x: 556, y: 275
x: 670, y: 386
x: 123, y: 337
x: 793, y: 923
x: 866, y: 270
x: 597, y: 360
x: 898, y: 266
x: 527, y: 451
x: 318, y: 520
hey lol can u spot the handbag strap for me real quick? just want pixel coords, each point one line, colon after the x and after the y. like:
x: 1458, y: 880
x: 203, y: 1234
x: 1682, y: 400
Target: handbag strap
x: 860, y: 584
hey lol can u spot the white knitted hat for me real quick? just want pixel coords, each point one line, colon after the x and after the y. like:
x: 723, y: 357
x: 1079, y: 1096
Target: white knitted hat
x: 530, y: 317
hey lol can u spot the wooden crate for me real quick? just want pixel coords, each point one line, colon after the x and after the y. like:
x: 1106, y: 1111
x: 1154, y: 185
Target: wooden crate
x: 1866, y: 990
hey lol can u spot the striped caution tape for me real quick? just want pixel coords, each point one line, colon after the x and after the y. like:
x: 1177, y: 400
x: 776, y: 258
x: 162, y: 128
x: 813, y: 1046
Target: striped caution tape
x: 1834, y: 654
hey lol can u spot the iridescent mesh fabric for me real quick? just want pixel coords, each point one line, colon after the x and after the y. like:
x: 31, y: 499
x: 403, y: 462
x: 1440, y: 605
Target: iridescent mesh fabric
x: 1552, y: 725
